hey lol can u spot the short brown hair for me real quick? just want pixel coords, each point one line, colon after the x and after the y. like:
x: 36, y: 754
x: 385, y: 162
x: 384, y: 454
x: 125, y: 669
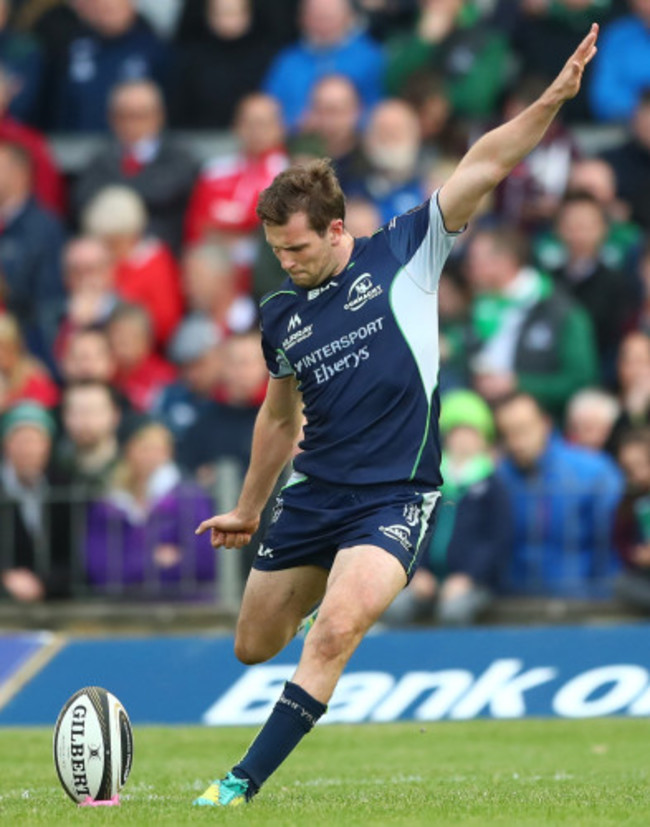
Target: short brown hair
x: 313, y: 189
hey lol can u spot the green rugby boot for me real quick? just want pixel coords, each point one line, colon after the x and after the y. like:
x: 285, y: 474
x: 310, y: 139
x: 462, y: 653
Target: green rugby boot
x: 225, y: 792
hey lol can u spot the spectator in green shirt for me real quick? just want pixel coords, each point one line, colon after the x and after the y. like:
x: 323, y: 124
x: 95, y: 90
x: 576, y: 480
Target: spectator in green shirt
x: 451, y: 38
x: 528, y: 334
x: 620, y: 248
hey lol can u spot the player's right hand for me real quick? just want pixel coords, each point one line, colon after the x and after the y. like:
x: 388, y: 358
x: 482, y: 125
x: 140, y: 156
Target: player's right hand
x: 231, y: 530
x: 567, y: 84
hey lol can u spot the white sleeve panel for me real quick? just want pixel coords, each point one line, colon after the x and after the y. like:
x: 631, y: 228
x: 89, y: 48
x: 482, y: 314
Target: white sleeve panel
x: 425, y: 265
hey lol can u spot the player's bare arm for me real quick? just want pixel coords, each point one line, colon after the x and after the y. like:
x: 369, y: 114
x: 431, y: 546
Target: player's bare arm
x: 499, y: 151
x: 276, y: 429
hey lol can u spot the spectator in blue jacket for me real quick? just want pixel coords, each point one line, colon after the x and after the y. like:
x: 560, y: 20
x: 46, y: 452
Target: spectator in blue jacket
x: 471, y: 546
x: 110, y: 44
x: 632, y: 533
x: 564, y: 499
x: 622, y: 67
x: 388, y: 174
x: 195, y: 349
x: 31, y: 241
x: 331, y: 43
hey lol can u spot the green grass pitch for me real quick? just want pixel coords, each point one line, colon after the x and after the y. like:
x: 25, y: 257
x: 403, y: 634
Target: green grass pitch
x: 515, y: 773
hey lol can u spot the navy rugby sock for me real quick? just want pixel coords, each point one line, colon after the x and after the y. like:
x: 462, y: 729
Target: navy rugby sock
x: 293, y: 716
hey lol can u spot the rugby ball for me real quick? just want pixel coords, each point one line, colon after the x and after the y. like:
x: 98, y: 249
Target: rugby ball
x: 93, y: 746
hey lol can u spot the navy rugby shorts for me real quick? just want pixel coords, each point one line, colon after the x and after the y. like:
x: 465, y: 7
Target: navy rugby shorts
x: 312, y: 520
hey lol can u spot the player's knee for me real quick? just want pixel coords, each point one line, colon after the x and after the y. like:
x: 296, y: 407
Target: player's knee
x: 334, y: 637
x: 250, y: 652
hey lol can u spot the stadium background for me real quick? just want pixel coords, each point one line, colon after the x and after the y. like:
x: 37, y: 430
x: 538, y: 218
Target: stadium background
x: 134, y: 139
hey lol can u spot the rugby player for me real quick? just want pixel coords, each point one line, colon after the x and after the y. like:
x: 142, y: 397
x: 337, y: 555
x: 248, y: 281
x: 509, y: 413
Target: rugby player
x: 351, y: 339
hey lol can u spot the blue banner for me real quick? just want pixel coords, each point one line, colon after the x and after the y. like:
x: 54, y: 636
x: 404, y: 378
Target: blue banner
x: 419, y: 675
x: 16, y: 650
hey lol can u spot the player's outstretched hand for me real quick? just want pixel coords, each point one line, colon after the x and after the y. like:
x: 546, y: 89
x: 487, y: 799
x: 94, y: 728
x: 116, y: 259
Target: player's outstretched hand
x: 567, y: 84
x: 230, y: 530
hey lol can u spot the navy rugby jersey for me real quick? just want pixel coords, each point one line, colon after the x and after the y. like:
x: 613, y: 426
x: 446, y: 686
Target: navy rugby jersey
x: 363, y: 346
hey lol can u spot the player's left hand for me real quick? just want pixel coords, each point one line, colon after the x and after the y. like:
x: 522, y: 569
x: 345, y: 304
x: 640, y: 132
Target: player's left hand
x: 567, y: 84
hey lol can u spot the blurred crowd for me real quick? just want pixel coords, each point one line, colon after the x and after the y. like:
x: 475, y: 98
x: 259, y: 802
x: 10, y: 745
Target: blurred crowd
x: 130, y: 365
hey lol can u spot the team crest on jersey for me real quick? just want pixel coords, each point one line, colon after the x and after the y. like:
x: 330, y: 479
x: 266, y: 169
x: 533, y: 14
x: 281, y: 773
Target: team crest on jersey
x: 412, y: 514
x: 400, y: 533
x: 361, y: 291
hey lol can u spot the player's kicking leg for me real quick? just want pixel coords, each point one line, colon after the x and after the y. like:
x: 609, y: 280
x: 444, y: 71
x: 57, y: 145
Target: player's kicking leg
x: 273, y: 605
x: 361, y: 585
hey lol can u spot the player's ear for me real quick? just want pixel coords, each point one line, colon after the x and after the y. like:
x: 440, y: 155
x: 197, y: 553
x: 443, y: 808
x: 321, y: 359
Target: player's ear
x: 336, y: 230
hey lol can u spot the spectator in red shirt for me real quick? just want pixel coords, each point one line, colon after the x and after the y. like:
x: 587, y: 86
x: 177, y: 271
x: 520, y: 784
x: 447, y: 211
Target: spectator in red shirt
x: 211, y: 287
x: 141, y: 373
x: 146, y: 272
x: 22, y: 377
x: 47, y: 182
x: 225, y: 196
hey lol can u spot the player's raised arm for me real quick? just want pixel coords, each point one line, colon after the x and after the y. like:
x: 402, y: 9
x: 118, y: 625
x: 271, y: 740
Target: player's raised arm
x: 497, y: 152
x: 276, y: 429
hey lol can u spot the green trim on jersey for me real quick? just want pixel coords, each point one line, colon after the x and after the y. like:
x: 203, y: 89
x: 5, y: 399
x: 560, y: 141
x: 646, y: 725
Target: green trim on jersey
x: 284, y: 362
x: 277, y: 293
x: 416, y: 465
x: 295, y: 479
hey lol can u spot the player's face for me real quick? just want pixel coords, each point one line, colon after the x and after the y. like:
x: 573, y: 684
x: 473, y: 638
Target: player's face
x: 308, y: 258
